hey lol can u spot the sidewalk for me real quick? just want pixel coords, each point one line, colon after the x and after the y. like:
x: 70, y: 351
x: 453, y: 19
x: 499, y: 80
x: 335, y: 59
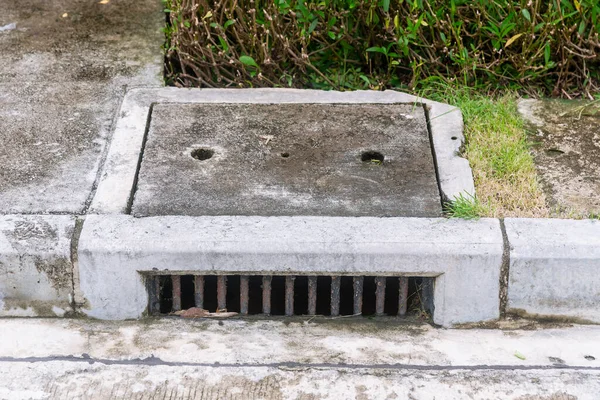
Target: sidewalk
x: 297, y: 358
x: 64, y: 65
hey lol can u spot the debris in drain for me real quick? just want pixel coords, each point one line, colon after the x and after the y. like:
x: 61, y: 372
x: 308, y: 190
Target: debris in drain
x: 196, y: 312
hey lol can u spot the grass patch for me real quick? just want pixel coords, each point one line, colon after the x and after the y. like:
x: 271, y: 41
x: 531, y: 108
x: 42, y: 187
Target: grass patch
x: 465, y: 207
x: 497, y: 147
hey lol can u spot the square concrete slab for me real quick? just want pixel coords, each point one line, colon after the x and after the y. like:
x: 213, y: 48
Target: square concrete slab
x: 287, y: 159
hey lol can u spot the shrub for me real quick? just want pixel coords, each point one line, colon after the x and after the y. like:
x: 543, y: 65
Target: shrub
x: 543, y: 45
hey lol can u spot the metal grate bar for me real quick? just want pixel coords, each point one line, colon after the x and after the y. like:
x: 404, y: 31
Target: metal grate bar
x: 221, y: 292
x: 266, y: 294
x: 358, y: 294
x: 199, y: 291
x: 379, y: 295
x: 289, y: 295
x: 402, y: 296
x: 427, y: 293
x: 335, y: 295
x: 312, y: 295
x: 154, y: 293
x: 244, y: 294
x: 176, y: 282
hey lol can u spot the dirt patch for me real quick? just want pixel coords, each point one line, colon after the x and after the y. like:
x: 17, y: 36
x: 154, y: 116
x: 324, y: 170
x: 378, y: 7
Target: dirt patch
x: 59, y: 272
x: 32, y: 239
x: 32, y: 230
x: 37, y: 307
x: 549, y: 319
x: 68, y: 26
x: 565, y: 138
x: 514, y: 323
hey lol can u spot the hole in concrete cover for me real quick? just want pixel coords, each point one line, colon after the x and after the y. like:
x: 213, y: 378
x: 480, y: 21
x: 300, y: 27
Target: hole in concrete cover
x: 374, y: 157
x: 285, y: 155
x: 202, y: 154
x: 292, y: 295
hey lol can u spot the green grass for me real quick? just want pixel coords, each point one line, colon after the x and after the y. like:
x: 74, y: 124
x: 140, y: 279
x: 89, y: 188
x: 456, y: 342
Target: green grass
x: 497, y: 147
x: 465, y: 207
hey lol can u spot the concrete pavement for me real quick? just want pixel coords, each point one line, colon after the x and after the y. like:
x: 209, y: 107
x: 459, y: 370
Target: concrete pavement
x: 63, y: 71
x: 294, y: 358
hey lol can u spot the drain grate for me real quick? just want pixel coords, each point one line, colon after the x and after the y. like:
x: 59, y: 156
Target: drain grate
x: 291, y: 294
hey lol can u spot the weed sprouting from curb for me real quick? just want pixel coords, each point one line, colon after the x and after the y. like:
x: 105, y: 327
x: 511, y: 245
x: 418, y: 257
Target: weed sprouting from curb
x: 465, y: 206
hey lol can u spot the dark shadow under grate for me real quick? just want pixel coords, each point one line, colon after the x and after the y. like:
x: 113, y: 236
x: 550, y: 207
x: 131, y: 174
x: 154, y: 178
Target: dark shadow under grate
x: 291, y: 294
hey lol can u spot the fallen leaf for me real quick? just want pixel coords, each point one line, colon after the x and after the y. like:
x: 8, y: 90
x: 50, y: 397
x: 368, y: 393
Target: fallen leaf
x: 519, y: 355
x: 512, y: 39
x: 193, y: 312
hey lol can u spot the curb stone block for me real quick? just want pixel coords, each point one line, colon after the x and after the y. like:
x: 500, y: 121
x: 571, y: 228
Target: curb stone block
x: 554, y: 268
x: 465, y: 256
x: 36, y: 272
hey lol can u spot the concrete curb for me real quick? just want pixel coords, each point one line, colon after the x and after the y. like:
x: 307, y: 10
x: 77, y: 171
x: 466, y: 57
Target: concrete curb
x: 553, y: 263
x: 43, y: 261
x: 464, y: 256
x: 117, y: 180
x: 36, y: 272
x: 554, y: 269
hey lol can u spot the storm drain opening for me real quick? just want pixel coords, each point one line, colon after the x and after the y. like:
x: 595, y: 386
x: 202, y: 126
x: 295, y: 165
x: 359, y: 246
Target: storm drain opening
x: 292, y: 295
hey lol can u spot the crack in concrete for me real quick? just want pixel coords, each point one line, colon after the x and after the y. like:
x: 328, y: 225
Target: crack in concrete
x: 155, y: 361
x: 504, y: 270
x: 134, y: 187
x: 436, y: 168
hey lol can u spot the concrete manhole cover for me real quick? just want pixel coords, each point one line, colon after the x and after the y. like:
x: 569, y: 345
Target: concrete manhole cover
x: 287, y: 159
